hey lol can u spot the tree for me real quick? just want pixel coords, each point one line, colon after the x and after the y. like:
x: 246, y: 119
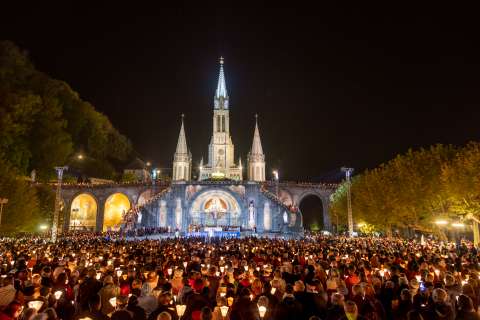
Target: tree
x: 43, y: 122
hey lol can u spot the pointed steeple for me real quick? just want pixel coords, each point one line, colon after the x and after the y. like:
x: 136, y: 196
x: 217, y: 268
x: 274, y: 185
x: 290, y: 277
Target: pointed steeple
x: 182, y: 148
x: 182, y: 160
x: 221, y: 86
x: 257, y: 144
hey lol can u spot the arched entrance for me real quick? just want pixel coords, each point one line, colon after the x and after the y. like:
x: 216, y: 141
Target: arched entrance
x: 115, y: 206
x: 311, y: 207
x: 83, y: 213
x: 215, y: 208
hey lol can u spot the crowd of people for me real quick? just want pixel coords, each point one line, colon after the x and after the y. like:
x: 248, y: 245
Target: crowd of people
x: 89, y: 276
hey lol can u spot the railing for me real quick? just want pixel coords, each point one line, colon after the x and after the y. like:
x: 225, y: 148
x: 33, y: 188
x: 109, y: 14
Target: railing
x: 277, y: 200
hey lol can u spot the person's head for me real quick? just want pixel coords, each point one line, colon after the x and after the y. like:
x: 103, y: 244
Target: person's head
x: 108, y: 280
x: 198, y: 285
x: 449, y: 280
x: 257, y: 287
x: 94, y: 302
x: 152, y: 276
x: 465, y: 303
x: 132, y: 301
x: 405, y: 295
x: 357, y: 290
x: 439, y: 295
x: 351, y: 309
x: 206, y: 314
x: 51, y: 314
x: 164, y: 316
x: 338, y: 299
x: 62, y: 278
x: 299, y: 286
x: 467, y: 289
x: 164, y: 298
x: 13, y: 309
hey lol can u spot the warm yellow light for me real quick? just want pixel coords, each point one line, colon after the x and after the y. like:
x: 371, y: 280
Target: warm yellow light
x: 441, y: 222
x: 80, y: 156
x: 361, y: 224
x: 458, y: 225
x: 115, y: 206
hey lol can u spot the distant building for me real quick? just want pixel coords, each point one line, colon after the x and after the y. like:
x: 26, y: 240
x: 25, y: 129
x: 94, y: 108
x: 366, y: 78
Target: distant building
x: 138, y: 168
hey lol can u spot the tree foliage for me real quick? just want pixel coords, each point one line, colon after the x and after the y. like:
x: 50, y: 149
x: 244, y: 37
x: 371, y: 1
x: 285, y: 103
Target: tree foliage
x: 413, y: 189
x: 43, y: 122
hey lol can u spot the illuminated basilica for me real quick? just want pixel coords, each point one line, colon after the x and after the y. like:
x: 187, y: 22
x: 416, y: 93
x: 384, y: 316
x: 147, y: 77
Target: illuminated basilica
x: 226, y: 197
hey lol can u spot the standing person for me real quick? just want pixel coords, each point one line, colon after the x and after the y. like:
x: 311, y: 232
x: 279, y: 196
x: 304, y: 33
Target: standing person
x: 108, y: 291
x: 351, y: 312
x: 244, y: 308
x: 440, y: 308
x: 196, y: 301
x: 87, y: 288
x: 289, y: 307
x: 465, y: 310
x: 336, y: 311
x: 163, y: 306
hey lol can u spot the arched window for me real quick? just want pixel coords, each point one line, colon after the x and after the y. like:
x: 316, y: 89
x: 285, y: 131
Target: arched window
x: 218, y: 124
x: 223, y: 123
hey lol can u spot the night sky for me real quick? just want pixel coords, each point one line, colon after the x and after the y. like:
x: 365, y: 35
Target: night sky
x: 332, y: 86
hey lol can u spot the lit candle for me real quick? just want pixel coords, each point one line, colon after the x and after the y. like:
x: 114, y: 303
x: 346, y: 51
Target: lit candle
x: 181, y: 309
x: 262, y: 310
x: 58, y: 294
x: 224, y: 311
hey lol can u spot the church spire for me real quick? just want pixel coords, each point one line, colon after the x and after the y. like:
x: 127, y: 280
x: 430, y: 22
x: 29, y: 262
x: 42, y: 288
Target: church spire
x: 257, y: 143
x: 182, y: 141
x: 256, y: 158
x: 221, y: 86
x: 182, y: 160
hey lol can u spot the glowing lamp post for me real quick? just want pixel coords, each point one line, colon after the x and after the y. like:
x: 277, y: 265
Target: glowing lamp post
x: 348, y: 173
x: 58, y: 195
x: 2, y: 202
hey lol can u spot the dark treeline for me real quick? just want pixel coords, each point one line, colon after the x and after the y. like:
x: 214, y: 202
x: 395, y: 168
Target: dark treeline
x: 43, y: 124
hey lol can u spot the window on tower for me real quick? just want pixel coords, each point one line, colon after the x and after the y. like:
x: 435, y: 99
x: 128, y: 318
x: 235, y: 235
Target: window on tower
x: 223, y: 123
x: 218, y: 124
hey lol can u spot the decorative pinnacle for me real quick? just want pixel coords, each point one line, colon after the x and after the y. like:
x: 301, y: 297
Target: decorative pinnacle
x: 183, y: 115
x: 221, y: 60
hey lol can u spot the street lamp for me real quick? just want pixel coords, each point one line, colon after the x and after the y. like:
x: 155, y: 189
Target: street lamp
x: 348, y: 173
x: 57, y: 201
x: 2, y: 202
